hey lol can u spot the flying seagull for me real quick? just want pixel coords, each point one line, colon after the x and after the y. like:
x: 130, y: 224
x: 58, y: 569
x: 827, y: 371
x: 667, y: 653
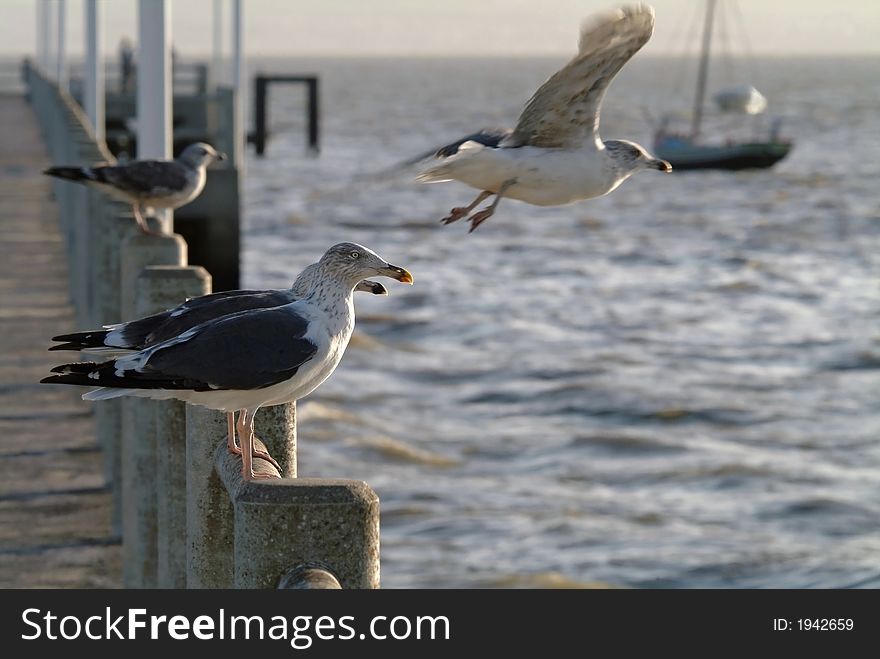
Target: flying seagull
x: 149, y: 184
x: 136, y: 335
x: 250, y: 359
x: 554, y: 155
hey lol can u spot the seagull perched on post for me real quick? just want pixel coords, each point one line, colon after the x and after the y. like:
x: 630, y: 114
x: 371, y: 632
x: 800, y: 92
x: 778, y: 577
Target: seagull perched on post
x: 136, y: 335
x: 250, y: 359
x: 554, y: 155
x: 149, y: 184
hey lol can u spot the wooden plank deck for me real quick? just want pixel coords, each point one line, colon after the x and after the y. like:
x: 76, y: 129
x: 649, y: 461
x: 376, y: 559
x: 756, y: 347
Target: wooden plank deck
x: 54, y: 504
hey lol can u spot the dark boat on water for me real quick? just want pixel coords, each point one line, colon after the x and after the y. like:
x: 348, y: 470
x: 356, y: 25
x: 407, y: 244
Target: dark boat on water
x: 687, y: 151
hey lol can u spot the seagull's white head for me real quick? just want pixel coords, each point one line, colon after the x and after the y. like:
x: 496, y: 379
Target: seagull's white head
x: 200, y: 154
x: 351, y: 263
x: 629, y: 157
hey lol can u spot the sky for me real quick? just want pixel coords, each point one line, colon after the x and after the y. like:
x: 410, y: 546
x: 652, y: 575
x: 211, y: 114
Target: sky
x: 458, y: 27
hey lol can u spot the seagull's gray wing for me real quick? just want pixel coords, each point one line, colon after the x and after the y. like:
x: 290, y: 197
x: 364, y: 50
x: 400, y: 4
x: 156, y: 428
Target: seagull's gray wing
x: 247, y: 350
x: 564, y: 112
x: 146, y: 177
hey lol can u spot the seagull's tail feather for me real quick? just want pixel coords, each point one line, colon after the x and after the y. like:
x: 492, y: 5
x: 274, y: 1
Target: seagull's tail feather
x: 436, y: 174
x: 107, y: 352
x: 81, y: 340
x: 93, y: 374
x: 113, y: 374
x: 105, y: 393
x: 89, y: 374
x: 78, y: 174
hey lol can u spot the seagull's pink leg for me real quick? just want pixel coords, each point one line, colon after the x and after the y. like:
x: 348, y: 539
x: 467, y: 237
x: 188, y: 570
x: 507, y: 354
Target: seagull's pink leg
x: 462, y: 211
x: 235, y: 450
x: 478, y: 218
x: 230, y: 434
x: 247, y: 448
x: 245, y: 433
x: 142, y: 222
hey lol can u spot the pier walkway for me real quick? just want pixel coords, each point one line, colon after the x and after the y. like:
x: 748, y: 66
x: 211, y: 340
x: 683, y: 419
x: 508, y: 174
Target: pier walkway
x: 54, y: 504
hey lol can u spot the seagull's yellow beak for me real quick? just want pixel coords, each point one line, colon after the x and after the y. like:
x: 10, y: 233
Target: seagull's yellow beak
x: 400, y: 274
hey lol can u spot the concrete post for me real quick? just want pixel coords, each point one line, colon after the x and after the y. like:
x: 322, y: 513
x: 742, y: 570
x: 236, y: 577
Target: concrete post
x: 114, y: 225
x: 287, y: 523
x: 93, y: 93
x: 163, y: 287
x: 276, y: 428
x: 139, y: 529
x: 209, y: 516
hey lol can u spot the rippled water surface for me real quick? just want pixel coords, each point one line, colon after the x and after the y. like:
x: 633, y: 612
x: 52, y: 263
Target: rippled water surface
x: 675, y: 385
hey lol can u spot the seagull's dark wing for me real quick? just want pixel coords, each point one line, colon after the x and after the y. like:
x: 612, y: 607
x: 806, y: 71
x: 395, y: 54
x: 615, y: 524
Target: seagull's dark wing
x: 564, y: 112
x: 201, y: 309
x: 488, y: 136
x: 145, y: 177
x: 247, y: 350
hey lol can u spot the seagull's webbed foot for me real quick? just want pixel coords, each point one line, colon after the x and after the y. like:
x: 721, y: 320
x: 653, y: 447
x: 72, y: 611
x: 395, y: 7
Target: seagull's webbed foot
x: 462, y: 211
x: 258, y: 453
x: 261, y: 475
x: 456, y: 214
x: 478, y: 218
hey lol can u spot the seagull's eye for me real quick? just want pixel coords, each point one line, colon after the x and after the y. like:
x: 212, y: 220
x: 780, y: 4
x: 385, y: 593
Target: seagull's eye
x: 354, y: 255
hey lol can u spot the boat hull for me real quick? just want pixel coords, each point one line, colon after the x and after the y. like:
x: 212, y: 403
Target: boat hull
x: 754, y: 155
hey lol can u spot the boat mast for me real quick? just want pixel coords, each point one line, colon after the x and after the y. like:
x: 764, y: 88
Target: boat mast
x: 704, y: 69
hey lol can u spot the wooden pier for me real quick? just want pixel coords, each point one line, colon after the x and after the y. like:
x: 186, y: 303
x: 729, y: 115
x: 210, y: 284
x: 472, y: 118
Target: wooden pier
x: 55, y: 506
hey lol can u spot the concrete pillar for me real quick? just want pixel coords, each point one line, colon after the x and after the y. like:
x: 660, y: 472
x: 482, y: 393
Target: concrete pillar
x: 93, y: 91
x: 276, y: 428
x: 139, y: 526
x: 154, y: 82
x: 209, y: 515
x: 163, y: 287
x: 114, y: 224
x: 288, y: 523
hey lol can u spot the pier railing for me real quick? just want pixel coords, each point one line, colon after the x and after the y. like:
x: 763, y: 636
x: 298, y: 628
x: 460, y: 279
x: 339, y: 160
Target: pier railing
x: 186, y: 516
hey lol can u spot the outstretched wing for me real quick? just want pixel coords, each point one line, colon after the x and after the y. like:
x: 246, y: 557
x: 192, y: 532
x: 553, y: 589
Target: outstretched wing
x: 564, y: 112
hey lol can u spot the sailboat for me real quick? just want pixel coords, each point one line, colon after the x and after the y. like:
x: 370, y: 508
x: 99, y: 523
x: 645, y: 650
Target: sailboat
x: 687, y: 150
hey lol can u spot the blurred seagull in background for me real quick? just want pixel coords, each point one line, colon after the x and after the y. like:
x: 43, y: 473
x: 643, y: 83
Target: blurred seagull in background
x: 554, y: 155
x: 149, y: 184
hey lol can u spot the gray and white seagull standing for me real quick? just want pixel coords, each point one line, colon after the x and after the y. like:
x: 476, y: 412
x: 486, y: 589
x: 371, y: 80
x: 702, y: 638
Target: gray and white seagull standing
x: 136, y: 335
x: 250, y: 359
x: 149, y: 184
x: 554, y: 155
